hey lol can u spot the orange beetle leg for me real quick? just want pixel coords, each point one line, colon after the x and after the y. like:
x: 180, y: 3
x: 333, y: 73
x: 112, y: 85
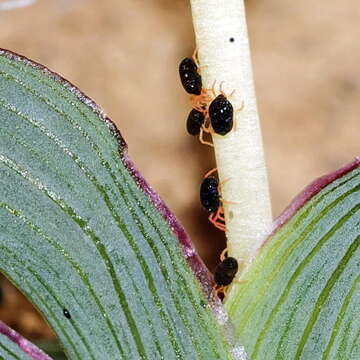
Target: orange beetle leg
x: 221, y: 217
x: 195, y: 57
x: 218, y: 289
x: 224, y: 254
x: 217, y: 221
x: 200, y: 102
x: 210, y: 172
x: 201, y: 138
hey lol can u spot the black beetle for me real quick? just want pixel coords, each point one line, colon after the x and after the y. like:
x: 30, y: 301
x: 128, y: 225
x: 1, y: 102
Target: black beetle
x: 225, y: 271
x: 221, y: 114
x: 190, y: 77
x: 209, y: 194
x: 194, y: 122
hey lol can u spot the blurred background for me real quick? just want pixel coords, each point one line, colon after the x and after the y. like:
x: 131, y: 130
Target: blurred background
x: 125, y: 54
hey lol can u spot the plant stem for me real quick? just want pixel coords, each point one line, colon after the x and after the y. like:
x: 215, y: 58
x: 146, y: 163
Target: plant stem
x: 224, y: 56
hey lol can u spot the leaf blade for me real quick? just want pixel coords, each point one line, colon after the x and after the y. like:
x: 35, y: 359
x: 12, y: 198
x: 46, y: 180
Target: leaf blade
x: 79, y: 204
x: 305, y: 277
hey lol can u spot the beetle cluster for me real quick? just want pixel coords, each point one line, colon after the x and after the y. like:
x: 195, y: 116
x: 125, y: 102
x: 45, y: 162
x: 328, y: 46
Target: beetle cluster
x: 209, y: 114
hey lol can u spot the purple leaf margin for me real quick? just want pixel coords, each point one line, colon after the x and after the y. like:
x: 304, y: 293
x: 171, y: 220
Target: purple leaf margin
x: 191, y: 256
x: 25, y: 345
x: 311, y: 190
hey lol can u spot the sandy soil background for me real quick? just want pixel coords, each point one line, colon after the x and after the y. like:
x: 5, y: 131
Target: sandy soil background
x: 124, y: 54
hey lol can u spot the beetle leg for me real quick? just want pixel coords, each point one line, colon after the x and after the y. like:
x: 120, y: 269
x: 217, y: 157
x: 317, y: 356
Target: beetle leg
x: 229, y: 202
x: 200, y: 102
x: 206, y: 125
x: 210, y: 172
x: 195, y: 103
x: 237, y: 281
x: 216, y: 221
x: 213, y: 89
x: 240, y: 108
x: 231, y: 94
x: 195, y: 57
x: 220, y: 214
x: 218, y: 290
x: 223, y: 254
x: 221, y: 89
x: 237, y: 111
x: 221, y: 217
x: 201, y: 138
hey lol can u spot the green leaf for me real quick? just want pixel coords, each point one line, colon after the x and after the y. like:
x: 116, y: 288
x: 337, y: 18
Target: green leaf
x: 52, y: 348
x: 81, y: 231
x: 300, y: 298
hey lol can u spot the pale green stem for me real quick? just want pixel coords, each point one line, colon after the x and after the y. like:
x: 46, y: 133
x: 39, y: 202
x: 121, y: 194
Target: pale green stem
x: 224, y: 57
